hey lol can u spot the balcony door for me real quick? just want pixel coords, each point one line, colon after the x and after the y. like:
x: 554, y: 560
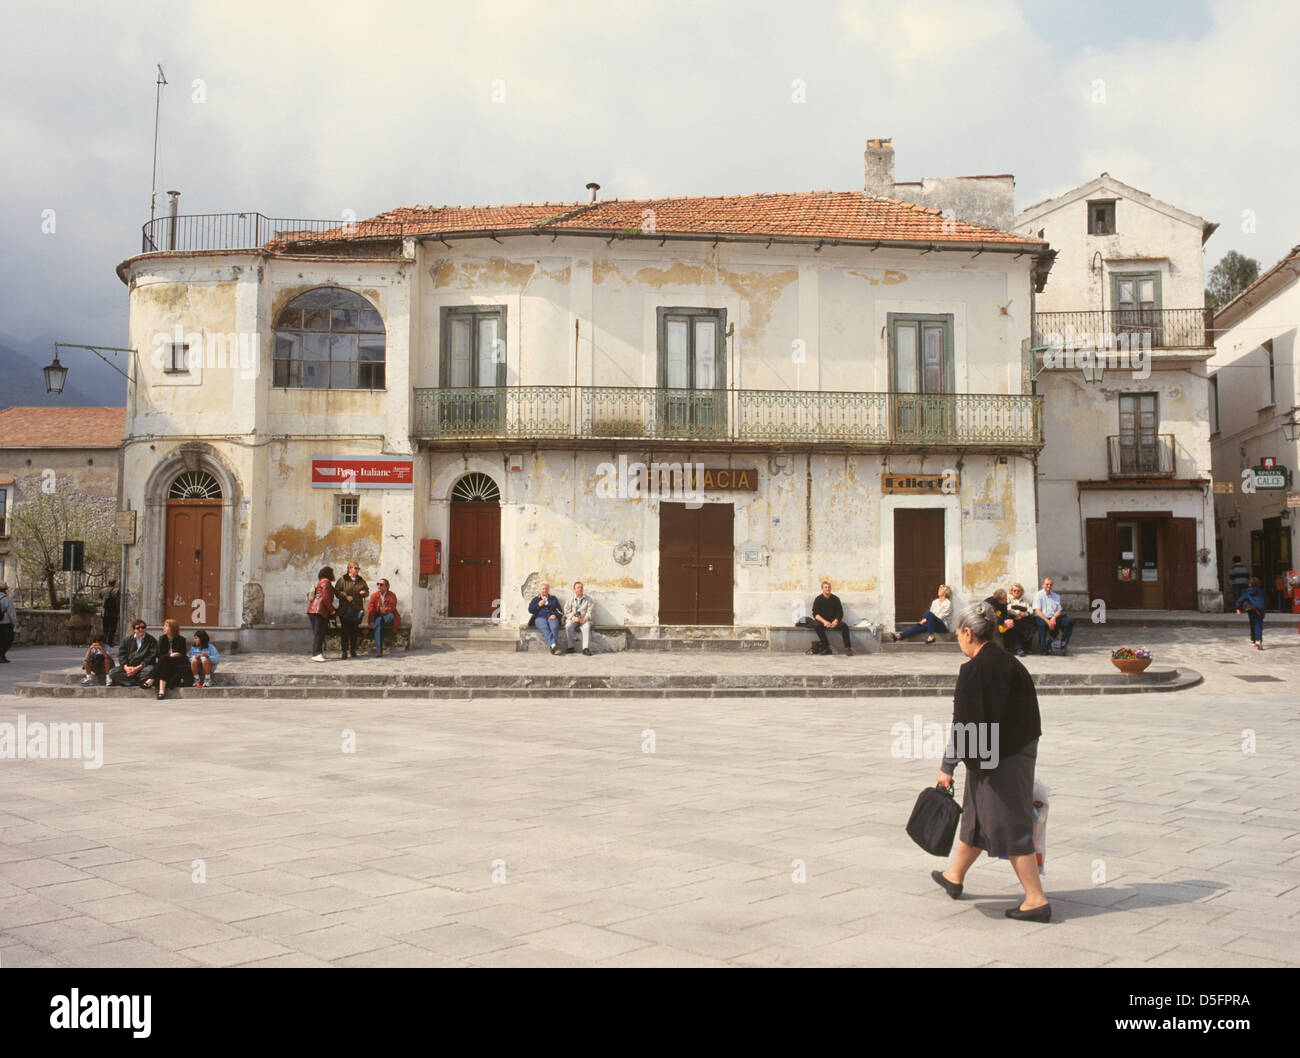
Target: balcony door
x: 921, y: 374
x: 692, y: 373
x: 1139, y: 441
x: 1135, y: 297
x: 472, y: 369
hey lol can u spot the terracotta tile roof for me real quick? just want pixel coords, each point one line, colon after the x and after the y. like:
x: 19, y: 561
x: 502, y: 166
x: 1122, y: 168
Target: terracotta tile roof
x: 808, y: 215
x: 62, y: 427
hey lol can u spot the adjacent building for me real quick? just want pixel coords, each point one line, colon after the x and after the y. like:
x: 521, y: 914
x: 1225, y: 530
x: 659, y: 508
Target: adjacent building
x: 71, y: 458
x: 700, y: 407
x: 1124, y: 479
x: 1254, y: 393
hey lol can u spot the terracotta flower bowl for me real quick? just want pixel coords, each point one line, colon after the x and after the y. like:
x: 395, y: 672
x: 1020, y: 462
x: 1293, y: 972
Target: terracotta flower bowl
x: 1131, y: 666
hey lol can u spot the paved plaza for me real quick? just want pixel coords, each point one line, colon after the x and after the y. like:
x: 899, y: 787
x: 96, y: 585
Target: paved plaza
x: 622, y: 831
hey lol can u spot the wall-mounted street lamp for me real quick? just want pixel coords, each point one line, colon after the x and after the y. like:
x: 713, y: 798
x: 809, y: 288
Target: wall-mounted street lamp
x: 1093, y: 369
x: 56, y: 374
x: 1291, y: 424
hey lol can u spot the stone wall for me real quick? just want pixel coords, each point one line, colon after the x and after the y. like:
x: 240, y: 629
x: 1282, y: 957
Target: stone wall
x: 45, y: 628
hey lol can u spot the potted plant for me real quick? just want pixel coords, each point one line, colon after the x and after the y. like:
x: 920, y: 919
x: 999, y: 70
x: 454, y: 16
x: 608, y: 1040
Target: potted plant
x: 80, y: 619
x: 1130, y: 661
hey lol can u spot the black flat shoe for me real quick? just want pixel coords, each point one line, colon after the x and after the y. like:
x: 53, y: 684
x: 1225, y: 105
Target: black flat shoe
x: 951, y: 888
x: 1038, y: 914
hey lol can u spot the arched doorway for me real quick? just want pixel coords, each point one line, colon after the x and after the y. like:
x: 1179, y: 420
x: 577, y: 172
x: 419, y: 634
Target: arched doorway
x: 192, y: 574
x: 474, y: 548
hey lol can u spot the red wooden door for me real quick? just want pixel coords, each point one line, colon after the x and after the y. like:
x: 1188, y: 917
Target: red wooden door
x: 696, y: 564
x: 474, y: 557
x: 918, y: 561
x: 193, y: 562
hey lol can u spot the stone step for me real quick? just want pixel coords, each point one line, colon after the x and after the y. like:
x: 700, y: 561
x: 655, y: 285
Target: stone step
x: 449, y: 685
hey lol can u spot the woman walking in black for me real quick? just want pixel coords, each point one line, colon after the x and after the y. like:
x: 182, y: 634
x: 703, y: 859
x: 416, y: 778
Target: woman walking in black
x: 996, y: 727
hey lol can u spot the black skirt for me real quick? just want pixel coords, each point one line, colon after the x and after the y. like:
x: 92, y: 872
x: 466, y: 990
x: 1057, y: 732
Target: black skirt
x: 997, y: 808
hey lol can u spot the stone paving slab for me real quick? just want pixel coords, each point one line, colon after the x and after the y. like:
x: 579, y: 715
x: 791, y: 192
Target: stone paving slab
x: 761, y: 831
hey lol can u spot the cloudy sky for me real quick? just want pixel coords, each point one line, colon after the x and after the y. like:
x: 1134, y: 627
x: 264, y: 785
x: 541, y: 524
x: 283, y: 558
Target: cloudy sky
x: 311, y: 109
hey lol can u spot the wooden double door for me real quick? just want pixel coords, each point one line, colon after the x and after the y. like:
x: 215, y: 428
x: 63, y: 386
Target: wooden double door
x: 474, y: 557
x: 193, y: 562
x: 696, y: 564
x: 1142, y: 561
x: 919, y: 561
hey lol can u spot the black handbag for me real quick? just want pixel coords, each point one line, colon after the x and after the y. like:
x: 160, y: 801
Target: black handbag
x: 933, y: 823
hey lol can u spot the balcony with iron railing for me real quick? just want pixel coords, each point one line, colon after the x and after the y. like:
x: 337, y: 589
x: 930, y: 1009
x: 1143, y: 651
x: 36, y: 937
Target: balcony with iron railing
x: 1150, y: 328
x: 1138, y: 456
x: 787, y: 418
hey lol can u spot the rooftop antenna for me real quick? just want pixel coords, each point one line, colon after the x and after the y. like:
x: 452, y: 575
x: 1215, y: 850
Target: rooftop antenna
x: 153, y: 194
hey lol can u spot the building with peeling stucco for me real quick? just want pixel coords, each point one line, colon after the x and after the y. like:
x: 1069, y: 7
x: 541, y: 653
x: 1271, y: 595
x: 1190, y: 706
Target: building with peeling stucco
x: 1254, y: 409
x: 1122, y: 340
x: 700, y: 407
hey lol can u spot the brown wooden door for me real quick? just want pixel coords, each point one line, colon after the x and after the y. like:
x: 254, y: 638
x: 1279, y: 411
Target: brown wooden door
x: 918, y: 561
x: 1103, y: 577
x: 696, y: 564
x: 474, y: 559
x: 193, y: 569
x: 1182, y: 563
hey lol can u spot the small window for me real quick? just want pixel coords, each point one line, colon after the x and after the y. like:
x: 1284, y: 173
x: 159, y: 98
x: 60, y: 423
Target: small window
x: 4, y: 512
x: 347, y: 510
x: 1270, y: 393
x: 1214, y: 404
x: 1101, y: 218
x: 177, y: 360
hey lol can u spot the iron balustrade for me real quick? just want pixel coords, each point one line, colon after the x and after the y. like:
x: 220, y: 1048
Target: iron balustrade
x: 627, y: 413
x: 247, y: 231
x: 1158, y: 328
x: 1139, y: 456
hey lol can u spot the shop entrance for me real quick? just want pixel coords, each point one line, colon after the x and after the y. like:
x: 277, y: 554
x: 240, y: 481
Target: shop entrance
x: 918, y: 561
x: 696, y: 564
x: 474, y: 548
x: 193, y: 552
x: 1142, y: 561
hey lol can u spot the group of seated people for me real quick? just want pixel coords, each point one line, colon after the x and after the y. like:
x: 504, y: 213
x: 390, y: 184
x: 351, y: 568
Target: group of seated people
x: 546, y: 615
x: 1018, y: 619
x: 144, y: 661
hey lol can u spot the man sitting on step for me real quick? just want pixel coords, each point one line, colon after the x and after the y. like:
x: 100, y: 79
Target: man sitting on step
x: 828, y: 612
x: 578, y: 614
x: 545, y: 609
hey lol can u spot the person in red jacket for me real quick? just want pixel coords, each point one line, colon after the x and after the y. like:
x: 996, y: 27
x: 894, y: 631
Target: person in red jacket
x: 320, y: 608
x: 381, y: 612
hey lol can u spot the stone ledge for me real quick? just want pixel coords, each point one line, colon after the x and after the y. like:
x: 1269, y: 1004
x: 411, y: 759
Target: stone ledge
x: 435, y: 687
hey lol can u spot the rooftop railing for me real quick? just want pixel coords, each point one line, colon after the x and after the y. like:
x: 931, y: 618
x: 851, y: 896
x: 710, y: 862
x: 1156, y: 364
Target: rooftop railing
x: 197, y: 232
x: 780, y: 417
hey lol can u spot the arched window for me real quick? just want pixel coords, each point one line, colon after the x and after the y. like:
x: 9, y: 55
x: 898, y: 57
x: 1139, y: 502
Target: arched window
x: 195, y: 485
x: 329, y: 338
x: 475, y: 487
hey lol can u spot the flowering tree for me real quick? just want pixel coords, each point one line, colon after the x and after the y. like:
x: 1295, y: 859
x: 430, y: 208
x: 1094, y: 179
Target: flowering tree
x: 41, y: 521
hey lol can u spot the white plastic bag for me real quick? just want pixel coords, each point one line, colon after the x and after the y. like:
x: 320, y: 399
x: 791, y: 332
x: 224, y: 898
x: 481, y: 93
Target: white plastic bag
x: 1041, y: 804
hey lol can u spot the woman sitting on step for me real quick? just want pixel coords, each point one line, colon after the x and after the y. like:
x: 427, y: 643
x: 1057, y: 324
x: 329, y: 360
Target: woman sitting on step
x: 936, y: 617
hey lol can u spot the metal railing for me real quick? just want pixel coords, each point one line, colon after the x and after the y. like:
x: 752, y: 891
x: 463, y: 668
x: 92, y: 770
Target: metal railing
x: 786, y: 417
x: 247, y: 231
x: 1135, y: 456
x: 1158, y: 328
